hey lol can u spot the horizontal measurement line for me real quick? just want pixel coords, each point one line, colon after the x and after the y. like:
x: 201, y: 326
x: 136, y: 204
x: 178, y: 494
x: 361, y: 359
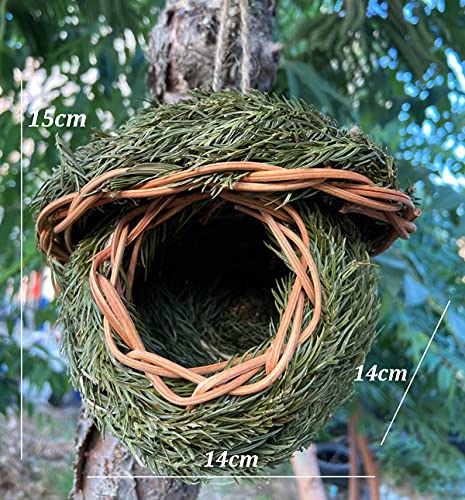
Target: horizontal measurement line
x: 229, y: 477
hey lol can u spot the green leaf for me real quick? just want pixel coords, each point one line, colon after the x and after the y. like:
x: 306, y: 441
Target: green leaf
x: 415, y: 292
x: 445, y: 378
x: 447, y: 198
x: 319, y: 90
x: 457, y: 323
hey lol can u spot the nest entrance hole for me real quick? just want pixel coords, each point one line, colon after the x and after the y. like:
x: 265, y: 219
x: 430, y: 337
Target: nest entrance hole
x: 208, y: 291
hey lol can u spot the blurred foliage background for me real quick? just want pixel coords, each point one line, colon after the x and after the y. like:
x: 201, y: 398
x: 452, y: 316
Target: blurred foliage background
x: 396, y: 69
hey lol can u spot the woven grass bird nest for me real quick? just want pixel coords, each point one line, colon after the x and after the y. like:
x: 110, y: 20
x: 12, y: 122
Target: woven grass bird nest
x: 165, y: 239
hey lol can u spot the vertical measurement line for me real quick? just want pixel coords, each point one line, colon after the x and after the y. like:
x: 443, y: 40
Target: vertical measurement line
x: 415, y: 373
x: 21, y: 272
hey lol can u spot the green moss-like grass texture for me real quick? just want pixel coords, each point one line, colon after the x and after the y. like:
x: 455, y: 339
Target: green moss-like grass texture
x: 284, y: 418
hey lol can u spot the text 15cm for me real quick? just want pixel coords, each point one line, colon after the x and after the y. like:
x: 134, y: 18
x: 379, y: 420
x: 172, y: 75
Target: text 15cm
x: 62, y: 120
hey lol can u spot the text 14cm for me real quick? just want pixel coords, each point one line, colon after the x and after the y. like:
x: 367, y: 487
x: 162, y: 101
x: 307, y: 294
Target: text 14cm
x: 232, y: 460
x: 383, y: 375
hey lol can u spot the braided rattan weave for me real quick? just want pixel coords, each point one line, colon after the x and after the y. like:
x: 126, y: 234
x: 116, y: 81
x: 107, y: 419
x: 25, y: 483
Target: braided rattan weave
x: 162, y: 201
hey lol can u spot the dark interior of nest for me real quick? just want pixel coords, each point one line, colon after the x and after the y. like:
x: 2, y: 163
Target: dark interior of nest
x: 207, y: 294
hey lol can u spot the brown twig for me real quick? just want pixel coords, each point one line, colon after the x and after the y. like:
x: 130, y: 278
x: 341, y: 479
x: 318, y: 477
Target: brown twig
x: 354, y: 484
x: 371, y: 468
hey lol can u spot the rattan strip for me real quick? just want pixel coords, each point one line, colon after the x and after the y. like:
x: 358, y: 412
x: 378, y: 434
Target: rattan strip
x: 215, y: 380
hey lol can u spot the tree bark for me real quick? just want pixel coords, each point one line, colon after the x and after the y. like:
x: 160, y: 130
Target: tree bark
x: 105, y: 469
x: 181, y: 57
x: 182, y: 45
x: 305, y: 463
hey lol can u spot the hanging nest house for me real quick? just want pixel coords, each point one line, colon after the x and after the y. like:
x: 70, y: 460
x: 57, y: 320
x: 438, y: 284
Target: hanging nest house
x: 217, y: 291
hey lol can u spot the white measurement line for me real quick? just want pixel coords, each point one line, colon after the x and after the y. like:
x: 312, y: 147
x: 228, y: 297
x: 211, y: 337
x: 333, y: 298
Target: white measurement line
x: 228, y: 477
x: 414, y: 374
x: 21, y: 312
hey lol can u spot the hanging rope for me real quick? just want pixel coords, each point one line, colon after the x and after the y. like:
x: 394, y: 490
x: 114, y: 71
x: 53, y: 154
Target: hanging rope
x: 220, y: 50
x: 245, y: 66
x: 220, y: 45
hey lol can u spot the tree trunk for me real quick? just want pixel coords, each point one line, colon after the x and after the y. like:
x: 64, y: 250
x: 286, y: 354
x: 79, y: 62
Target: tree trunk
x: 306, y: 470
x: 105, y: 469
x: 181, y: 57
x: 182, y: 46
